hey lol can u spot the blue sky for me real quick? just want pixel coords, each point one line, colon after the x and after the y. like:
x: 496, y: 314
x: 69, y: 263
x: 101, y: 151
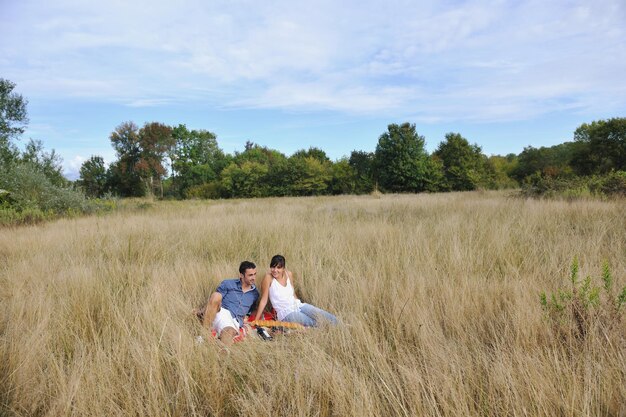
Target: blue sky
x: 290, y: 75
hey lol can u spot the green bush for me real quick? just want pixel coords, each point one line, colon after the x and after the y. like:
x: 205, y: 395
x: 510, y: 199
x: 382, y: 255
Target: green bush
x: 209, y: 190
x: 10, y: 216
x: 103, y: 204
x: 28, y: 196
x: 584, y: 309
x: 612, y: 184
x: 541, y: 185
x: 30, y: 188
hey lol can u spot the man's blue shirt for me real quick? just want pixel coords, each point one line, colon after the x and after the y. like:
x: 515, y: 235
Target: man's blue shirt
x: 235, y: 300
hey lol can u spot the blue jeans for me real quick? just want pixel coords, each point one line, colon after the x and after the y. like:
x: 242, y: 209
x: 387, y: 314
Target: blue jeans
x: 310, y: 316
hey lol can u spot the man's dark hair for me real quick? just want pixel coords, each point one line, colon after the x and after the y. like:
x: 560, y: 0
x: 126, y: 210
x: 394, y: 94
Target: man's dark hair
x: 246, y: 265
x: 277, y: 260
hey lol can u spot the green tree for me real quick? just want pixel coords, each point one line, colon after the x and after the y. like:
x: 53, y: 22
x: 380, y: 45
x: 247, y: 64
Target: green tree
x: 260, y: 154
x: 435, y: 178
x: 553, y: 161
x: 156, y: 141
x: 602, y: 147
x: 401, y: 161
x: 93, y: 177
x: 464, y: 165
x: 503, y: 167
x: 196, y: 158
x: 13, y: 120
x: 48, y: 163
x: 124, y: 177
x: 277, y: 177
x: 257, y: 172
x: 363, y: 165
x: 314, y: 153
x: 308, y: 176
x: 141, y: 153
x: 343, y: 178
x: 245, y: 181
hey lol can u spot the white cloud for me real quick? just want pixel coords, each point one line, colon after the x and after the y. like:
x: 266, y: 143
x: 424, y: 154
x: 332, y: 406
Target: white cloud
x: 321, y: 96
x: 471, y: 60
x: 149, y: 102
x: 71, y: 169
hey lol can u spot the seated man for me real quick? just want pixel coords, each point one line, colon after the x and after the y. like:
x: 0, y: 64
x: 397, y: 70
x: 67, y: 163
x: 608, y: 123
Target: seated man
x: 233, y: 299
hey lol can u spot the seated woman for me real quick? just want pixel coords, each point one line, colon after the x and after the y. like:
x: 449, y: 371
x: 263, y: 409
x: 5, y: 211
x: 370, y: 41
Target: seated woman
x: 278, y: 287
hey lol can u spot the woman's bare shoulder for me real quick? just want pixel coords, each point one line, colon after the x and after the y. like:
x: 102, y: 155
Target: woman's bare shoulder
x: 266, y: 281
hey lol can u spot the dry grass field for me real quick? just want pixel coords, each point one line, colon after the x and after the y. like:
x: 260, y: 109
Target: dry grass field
x: 438, y: 295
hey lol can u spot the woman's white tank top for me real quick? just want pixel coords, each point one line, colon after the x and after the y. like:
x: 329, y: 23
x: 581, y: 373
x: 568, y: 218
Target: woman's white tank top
x: 283, y: 299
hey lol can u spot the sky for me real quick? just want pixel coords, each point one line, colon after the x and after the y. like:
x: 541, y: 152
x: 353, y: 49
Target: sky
x: 290, y: 75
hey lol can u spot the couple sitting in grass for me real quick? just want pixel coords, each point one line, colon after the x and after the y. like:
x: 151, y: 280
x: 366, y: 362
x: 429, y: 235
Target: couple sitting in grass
x: 234, y: 298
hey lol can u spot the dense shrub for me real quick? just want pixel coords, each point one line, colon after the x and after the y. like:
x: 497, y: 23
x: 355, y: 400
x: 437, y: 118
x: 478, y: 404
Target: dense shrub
x: 29, y: 196
x: 31, y: 188
x: 11, y: 216
x: 210, y: 190
x: 612, y: 184
x: 541, y: 185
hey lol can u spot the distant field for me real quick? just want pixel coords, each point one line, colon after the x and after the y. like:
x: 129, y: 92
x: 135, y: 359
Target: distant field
x: 439, y: 296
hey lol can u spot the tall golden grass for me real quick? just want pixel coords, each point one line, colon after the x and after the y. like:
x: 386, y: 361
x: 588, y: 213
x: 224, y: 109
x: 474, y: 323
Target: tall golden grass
x: 438, y: 297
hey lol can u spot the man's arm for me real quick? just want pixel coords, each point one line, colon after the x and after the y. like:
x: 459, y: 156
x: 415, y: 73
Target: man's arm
x: 214, y: 303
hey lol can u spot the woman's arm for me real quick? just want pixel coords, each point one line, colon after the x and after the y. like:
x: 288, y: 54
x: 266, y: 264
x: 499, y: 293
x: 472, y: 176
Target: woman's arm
x: 265, y: 293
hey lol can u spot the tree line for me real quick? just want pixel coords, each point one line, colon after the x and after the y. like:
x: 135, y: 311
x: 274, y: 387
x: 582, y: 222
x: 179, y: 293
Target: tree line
x: 198, y: 168
x: 178, y: 162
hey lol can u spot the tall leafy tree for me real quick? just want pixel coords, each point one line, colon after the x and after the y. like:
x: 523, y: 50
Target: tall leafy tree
x: 155, y: 140
x: 553, y: 161
x: 363, y: 165
x: 124, y: 175
x: 464, y: 165
x: 503, y: 167
x: 312, y: 152
x: 141, y: 153
x: 245, y: 180
x: 308, y: 176
x: 272, y: 164
x: 93, y: 176
x: 343, y: 179
x: 277, y: 176
x: 196, y: 158
x: 256, y: 153
x: 48, y: 163
x: 602, y: 146
x: 13, y: 120
x: 401, y: 161
x: 309, y: 172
